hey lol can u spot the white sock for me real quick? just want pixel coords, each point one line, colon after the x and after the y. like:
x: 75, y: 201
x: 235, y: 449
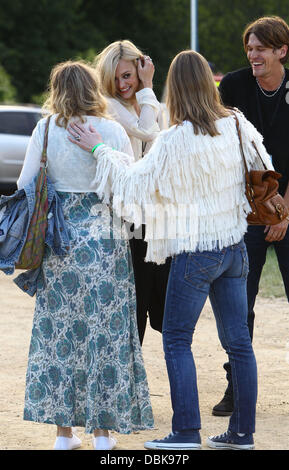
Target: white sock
x: 240, y: 434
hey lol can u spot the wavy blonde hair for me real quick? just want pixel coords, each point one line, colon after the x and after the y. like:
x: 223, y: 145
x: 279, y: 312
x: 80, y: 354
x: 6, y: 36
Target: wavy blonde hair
x: 192, y: 94
x: 74, y: 91
x: 106, y: 63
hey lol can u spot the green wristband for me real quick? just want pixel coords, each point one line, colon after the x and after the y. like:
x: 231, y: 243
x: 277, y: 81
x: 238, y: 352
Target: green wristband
x: 95, y: 147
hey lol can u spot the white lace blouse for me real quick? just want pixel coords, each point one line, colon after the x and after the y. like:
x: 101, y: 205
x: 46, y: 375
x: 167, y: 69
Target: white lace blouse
x: 70, y: 168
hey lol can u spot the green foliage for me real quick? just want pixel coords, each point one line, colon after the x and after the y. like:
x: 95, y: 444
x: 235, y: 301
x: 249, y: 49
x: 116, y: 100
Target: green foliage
x: 39, y: 33
x: 36, y: 34
x: 271, y: 284
x: 7, y: 91
x: 221, y: 25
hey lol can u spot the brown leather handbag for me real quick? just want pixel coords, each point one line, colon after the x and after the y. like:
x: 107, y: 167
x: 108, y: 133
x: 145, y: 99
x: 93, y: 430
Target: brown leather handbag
x: 268, y: 206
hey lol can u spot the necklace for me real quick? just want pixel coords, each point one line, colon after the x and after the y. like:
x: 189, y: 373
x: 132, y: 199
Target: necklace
x: 275, y: 92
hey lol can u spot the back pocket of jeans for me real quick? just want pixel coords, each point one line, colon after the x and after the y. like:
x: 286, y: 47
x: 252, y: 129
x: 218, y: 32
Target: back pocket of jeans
x: 202, y: 268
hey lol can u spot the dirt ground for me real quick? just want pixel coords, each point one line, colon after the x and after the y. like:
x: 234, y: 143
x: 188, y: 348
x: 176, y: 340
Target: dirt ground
x: 271, y: 344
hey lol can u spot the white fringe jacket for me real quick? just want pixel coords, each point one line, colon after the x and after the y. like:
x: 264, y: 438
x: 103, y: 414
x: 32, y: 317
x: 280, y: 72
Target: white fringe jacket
x: 191, y: 187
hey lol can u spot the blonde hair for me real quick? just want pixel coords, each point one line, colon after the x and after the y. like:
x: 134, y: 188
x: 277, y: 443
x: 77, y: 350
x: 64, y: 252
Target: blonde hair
x: 106, y: 63
x: 74, y: 92
x: 192, y: 94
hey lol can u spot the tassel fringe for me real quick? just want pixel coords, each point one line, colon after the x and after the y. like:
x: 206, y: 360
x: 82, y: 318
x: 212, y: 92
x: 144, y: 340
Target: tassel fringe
x: 191, y: 188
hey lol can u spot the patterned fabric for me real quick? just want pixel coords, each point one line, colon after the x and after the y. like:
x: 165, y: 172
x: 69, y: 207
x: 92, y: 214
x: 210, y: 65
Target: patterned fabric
x: 33, y: 249
x: 85, y: 364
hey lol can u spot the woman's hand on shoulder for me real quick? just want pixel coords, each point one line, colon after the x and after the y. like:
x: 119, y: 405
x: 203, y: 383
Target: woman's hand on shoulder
x: 146, y: 70
x: 85, y: 138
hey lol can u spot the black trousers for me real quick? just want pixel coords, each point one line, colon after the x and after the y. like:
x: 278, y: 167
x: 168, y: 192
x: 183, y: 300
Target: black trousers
x: 257, y: 248
x: 151, y: 286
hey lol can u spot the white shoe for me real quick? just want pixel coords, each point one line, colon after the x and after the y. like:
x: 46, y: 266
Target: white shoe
x: 67, y: 443
x: 103, y: 442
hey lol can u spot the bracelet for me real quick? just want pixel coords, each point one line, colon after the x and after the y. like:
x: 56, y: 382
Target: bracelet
x: 95, y: 147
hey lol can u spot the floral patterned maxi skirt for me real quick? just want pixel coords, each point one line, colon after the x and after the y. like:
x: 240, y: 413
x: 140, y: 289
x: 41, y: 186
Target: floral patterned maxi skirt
x: 85, y: 365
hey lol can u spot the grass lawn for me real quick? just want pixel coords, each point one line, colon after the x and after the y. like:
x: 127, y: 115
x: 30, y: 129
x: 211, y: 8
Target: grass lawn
x: 271, y: 284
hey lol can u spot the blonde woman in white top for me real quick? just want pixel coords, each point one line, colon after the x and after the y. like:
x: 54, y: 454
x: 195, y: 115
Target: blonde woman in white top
x: 192, y: 186
x: 85, y: 364
x: 126, y: 77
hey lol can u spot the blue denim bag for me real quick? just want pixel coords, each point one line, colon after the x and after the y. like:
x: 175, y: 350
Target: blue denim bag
x: 15, y: 214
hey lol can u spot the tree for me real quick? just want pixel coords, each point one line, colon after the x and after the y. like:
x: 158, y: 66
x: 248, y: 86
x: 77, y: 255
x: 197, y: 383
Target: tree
x: 37, y: 34
x: 44, y: 32
x: 221, y: 25
x: 7, y: 91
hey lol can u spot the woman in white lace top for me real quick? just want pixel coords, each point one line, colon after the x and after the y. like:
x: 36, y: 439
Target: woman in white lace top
x: 85, y: 366
x: 126, y: 76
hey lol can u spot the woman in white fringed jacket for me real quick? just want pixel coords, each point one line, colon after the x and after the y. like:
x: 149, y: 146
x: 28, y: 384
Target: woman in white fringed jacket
x: 192, y: 187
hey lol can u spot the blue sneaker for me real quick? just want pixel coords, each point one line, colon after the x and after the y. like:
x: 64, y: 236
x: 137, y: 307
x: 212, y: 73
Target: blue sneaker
x: 176, y: 441
x: 231, y: 440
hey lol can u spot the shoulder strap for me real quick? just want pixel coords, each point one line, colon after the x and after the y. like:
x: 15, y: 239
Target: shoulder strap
x: 241, y: 143
x: 241, y: 146
x: 255, y: 147
x: 43, y: 162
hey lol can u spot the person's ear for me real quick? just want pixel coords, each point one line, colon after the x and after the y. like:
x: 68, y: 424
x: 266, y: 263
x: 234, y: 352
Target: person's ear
x: 283, y: 51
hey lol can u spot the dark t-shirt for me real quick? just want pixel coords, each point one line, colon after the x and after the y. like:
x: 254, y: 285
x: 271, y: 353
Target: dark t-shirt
x: 270, y: 115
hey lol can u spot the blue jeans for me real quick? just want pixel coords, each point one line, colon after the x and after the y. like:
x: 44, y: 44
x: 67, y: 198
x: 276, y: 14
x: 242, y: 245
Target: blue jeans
x: 221, y: 275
